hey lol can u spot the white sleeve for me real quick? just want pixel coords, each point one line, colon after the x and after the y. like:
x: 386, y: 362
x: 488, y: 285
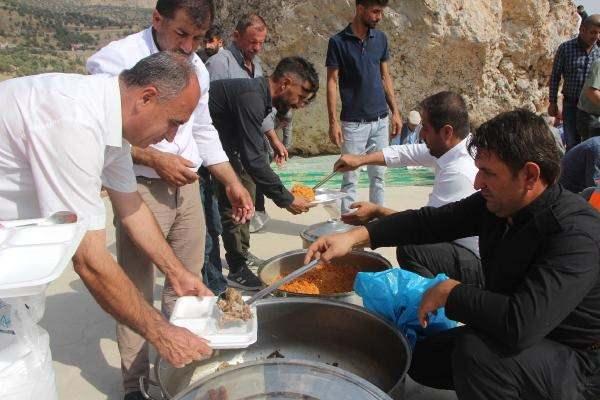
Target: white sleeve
x: 117, y: 173
x: 66, y: 161
x: 105, y: 61
x: 451, y: 185
x: 404, y: 155
x: 204, y: 132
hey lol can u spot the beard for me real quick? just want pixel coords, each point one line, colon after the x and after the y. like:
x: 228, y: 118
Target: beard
x: 211, y: 51
x: 279, y: 103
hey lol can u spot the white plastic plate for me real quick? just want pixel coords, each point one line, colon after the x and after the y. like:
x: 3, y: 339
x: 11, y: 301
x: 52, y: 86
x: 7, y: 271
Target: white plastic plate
x: 200, y: 315
x: 323, y: 196
x: 31, y: 257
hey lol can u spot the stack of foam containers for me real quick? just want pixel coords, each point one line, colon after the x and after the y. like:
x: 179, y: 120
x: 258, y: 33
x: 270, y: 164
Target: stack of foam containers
x: 31, y: 257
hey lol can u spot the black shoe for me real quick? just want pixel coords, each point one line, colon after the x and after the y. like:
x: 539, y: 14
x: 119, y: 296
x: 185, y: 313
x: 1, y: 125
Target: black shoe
x: 244, y: 279
x: 134, y: 396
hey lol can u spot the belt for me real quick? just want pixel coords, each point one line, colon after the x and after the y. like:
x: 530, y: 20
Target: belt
x: 147, y: 179
x: 373, y: 119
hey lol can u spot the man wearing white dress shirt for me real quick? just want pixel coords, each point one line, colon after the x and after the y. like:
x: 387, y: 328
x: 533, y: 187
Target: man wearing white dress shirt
x: 166, y: 172
x: 446, y: 134
x: 63, y: 137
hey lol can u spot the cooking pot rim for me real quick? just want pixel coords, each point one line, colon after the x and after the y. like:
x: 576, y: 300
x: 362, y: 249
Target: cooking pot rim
x: 363, y: 383
x: 371, y: 254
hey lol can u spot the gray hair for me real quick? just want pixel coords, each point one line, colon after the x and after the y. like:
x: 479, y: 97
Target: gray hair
x: 168, y: 71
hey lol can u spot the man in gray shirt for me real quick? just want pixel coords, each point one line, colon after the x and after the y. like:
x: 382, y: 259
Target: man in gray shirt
x: 240, y: 60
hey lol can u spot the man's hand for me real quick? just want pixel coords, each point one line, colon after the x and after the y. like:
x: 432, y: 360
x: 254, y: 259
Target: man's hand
x: 335, y: 134
x: 186, y: 283
x: 553, y: 111
x: 280, y: 151
x: 174, y: 169
x: 434, y: 299
x: 326, y: 248
x: 364, y: 213
x: 396, y: 124
x: 299, y: 205
x: 348, y: 162
x: 179, y: 347
x: 242, y: 208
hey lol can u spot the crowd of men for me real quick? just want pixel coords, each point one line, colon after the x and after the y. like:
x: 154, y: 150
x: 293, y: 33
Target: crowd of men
x: 180, y: 129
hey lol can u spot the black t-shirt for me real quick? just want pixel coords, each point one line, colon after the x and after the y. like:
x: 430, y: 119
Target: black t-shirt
x: 238, y: 108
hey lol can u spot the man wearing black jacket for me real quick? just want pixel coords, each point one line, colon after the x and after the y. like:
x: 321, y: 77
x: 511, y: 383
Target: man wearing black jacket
x: 533, y: 331
x: 238, y: 108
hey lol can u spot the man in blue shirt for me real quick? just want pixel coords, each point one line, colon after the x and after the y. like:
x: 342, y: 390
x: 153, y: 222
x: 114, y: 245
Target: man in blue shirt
x: 358, y: 57
x: 572, y: 63
x: 581, y: 166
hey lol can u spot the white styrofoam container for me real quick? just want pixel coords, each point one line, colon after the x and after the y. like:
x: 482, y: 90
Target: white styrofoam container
x: 200, y: 315
x: 33, y: 256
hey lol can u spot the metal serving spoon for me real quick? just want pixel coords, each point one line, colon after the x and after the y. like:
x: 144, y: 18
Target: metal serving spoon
x: 288, y: 278
x: 332, y: 174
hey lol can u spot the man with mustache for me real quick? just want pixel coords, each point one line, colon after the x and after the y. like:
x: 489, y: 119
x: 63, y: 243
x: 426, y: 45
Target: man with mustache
x: 63, y: 137
x: 533, y: 330
x: 166, y: 172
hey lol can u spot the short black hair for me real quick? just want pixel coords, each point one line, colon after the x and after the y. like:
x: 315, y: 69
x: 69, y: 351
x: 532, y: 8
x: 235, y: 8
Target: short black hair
x: 300, y: 67
x: 215, y: 31
x: 202, y: 12
x: 248, y: 20
x: 518, y: 137
x: 370, y: 3
x: 447, y: 108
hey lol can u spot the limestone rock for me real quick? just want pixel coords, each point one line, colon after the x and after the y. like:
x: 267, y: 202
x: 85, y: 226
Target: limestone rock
x: 497, y: 53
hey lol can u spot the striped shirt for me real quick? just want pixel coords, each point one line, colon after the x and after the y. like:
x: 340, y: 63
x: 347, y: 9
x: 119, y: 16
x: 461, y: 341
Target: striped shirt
x: 572, y: 63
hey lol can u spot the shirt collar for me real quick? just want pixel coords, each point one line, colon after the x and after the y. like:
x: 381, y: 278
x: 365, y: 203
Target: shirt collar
x: 454, y: 153
x: 547, y: 198
x: 348, y: 32
x: 239, y: 57
x: 114, y: 116
x: 149, y: 37
x: 583, y: 46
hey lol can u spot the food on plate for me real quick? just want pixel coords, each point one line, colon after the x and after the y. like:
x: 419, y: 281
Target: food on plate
x: 233, y: 307
x: 325, y: 278
x: 303, y: 191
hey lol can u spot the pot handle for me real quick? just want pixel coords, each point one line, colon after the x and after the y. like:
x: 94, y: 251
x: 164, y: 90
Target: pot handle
x: 145, y: 393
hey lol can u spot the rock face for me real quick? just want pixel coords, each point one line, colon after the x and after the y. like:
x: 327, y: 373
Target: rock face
x: 497, y: 53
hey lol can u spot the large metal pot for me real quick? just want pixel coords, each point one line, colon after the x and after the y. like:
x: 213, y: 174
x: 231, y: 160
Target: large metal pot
x: 285, y: 263
x: 283, y: 379
x: 310, y: 329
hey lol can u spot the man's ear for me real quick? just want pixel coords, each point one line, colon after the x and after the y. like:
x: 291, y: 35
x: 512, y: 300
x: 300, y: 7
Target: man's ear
x: 236, y: 35
x: 147, y: 97
x: 532, y: 174
x: 447, y: 132
x: 156, y: 19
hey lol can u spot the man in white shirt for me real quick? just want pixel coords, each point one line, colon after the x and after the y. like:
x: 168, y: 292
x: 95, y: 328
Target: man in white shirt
x: 446, y: 133
x: 63, y: 137
x: 166, y: 172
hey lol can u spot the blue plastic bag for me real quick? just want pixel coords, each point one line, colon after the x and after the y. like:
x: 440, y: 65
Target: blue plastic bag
x: 395, y: 295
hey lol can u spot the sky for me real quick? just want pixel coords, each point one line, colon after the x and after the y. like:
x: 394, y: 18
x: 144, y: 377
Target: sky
x: 591, y: 6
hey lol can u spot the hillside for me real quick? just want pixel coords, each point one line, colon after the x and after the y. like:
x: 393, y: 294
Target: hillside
x: 57, y: 36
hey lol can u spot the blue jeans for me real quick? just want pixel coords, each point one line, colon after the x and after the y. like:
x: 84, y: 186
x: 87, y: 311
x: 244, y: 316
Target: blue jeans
x: 212, y: 272
x: 572, y: 138
x: 358, y: 136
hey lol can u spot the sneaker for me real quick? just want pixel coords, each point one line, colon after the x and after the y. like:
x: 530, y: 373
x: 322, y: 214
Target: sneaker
x: 134, y: 396
x: 244, y: 279
x: 258, y: 221
x: 253, y: 262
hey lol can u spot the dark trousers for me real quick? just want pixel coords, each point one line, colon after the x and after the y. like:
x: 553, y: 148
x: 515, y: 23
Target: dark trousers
x: 477, y: 368
x: 455, y: 261
x: 212, y: 272
x: 572, y: 137
x: 236, y: 237
x: 260, y: 200
x: 588, y: 125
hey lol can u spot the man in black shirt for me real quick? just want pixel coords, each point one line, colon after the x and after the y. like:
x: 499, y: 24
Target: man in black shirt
x: 533, y: 332
x: 238, y: 108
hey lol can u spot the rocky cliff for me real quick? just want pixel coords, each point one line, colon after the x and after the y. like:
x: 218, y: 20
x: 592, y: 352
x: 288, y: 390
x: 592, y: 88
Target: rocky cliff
x: 497, y: 53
